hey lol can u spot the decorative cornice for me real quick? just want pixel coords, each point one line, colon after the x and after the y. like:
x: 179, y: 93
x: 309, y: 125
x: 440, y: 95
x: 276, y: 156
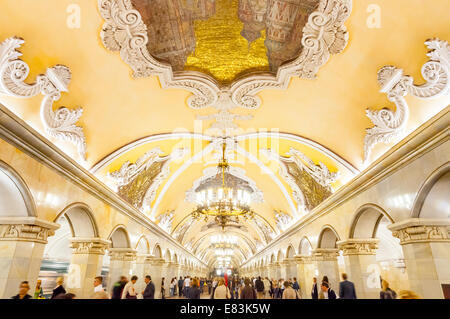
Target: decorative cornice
x: 26, y: 229
x: 124, y: 254
x: 61, y: 123
x: 96, y: 246
x: 325, y: 254
x: 416, y: 230
x: 357, y: 246
x: 324, y: 34
x: 388, y: 124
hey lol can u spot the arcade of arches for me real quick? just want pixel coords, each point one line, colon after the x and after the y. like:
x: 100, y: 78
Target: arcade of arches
x: 112, y: 117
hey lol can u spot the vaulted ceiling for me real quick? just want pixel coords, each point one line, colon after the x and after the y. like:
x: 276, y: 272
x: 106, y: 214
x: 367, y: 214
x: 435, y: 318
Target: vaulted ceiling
x: 151, y: 132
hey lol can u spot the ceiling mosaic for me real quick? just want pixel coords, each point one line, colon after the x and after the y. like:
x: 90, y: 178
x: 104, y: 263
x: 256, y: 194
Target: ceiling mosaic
x: 225, y: 38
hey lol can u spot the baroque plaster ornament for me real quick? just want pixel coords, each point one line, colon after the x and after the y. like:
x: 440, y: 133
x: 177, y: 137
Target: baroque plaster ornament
x: 323, y: 35
x: 166, y: 220
x: 128, y: 173
x: 263, y: 227
x: 60, y: 124
x: 388, y: 124
x: 182, y: 228
x: 319, y: 173
x: 283, y: 220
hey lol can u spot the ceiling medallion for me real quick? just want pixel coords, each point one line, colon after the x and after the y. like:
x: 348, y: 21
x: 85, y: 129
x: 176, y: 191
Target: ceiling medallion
x: 223, y: 197
x: 294, y: 37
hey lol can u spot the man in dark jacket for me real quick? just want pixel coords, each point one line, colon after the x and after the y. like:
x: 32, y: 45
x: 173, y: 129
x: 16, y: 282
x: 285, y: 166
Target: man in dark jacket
x: 118, y: 287
x: 259, y: 285
x: 149, y: 292
x: 180, y: 286
x: 346, y: 288
x: 248, y: 292
x: 327, y: 291
x: 23, y: 291
x: 314, y: 291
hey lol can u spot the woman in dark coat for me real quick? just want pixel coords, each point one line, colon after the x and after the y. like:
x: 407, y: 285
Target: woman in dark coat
x: 59, y: 289
x: 194, y: 292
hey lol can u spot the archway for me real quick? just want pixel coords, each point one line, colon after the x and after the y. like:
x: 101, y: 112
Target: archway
x: 76, y: 222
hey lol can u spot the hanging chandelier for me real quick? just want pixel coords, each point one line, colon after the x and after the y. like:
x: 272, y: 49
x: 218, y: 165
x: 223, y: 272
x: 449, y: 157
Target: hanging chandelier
x: 223, y: 198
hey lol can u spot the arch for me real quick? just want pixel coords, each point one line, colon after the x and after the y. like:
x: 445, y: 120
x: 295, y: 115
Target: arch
x: 157, y: 252
x: 280, y: 255
x: 15, y: 196
x: 366, y: 220
x: 81, y: 220
x: 290, y: 251
x: 305, y: 247
x: 328, y: 237
x: 119, y: 237
x: 272, y: 258
x: 167, y: 255
x: 143, y: 246
x: 175, y: 258
x: 434, y: 188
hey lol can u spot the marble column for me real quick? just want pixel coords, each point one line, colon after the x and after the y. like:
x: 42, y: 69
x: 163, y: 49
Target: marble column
x: 360, y: 260
x: 156, y: 272
x: 22, y: 243
x: 85, y: 264
x: 271, y: 270
x: 326, y: 263
x: 290, y: 269
x: 141, y: 268
x: 426, y: 250
x: 305, y: 273
x: 121, y: 260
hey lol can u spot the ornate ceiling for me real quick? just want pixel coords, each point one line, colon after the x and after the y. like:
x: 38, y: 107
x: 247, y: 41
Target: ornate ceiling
x: 149, y: 86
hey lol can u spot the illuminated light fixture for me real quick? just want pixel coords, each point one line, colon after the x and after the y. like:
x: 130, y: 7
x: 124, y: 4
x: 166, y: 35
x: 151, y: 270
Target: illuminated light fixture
x: 223, y: 239
x: 221, y: 201
x: 224, y: 252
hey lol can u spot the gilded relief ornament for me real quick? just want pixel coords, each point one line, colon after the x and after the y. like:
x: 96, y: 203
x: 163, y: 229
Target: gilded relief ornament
x: 310, y: 183
x: 165, y: 221
x: 388, y: 124
x: 60, y: 124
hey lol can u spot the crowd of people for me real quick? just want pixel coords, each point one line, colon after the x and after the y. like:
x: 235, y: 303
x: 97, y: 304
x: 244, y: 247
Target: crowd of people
x: 215, y: 288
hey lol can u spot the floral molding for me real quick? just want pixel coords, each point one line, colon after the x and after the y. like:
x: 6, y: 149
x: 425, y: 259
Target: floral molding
x: 61, y: 123
x: 323, y: 35
x: 389, y: 124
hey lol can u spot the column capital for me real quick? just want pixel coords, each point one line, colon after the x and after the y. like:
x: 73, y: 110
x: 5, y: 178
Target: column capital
x: 157, y: 261
x: 26, y: 229
x: 325, y: 254
x: 358, y: 246
x: 95, y: 245
x: 125, y: 254
x: 303, y: 259
x: 288, y: 261
x: 417, y: 230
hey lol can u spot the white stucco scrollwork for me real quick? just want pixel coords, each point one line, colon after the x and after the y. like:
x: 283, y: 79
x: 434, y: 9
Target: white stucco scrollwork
x: 61, y: 123
x: 390, y: 124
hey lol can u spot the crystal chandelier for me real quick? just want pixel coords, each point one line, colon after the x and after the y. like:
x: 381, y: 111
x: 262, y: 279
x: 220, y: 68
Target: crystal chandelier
x: 221, y: 201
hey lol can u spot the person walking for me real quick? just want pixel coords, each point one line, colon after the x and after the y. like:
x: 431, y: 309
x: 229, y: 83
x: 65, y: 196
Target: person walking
x: 129, y: 291
x: 59, y: 289
x: 289, y: 292
x: 221, y: 291
x: 163, y: 290
x: 346, y: 288
x: 194, y: 291
x: 328, y: 293
x: 295, y: 285
x: 386, y: 292
x: 259, y: 285
x: 118, y: 288
x: 38, y: 292
x: 180, y: 286
x: 172, y: 287
x: 98, y: 284
x: 314, y: 291
x: 23, y: 291
x: 149, y: 291
x: 247, y: 292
